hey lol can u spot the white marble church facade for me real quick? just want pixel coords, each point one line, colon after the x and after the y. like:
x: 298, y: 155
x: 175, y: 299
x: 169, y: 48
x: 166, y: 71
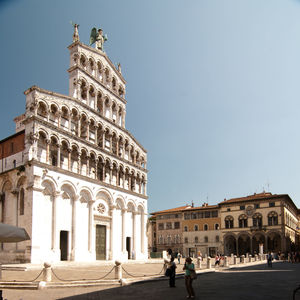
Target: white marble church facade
x: 78, y: 184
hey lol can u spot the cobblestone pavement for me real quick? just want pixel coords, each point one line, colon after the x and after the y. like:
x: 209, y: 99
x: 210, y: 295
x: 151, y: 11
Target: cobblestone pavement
x: 256, y: 282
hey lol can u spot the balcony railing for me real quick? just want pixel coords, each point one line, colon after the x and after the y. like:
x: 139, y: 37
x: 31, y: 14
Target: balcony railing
x: 258, y: 228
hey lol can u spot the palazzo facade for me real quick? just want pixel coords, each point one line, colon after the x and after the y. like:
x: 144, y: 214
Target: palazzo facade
x: 72, y: 175
x: 251, y: 224
x: 266, y: 220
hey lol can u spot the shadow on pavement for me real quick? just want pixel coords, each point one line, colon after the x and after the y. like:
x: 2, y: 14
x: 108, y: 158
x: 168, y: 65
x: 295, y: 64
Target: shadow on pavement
x: 257, y: 283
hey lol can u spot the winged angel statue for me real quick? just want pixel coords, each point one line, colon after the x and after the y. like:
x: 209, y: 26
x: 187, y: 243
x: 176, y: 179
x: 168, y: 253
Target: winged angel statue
x: 98, y: 37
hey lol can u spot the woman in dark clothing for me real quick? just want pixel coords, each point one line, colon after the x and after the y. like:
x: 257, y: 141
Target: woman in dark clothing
x: 172, y: 267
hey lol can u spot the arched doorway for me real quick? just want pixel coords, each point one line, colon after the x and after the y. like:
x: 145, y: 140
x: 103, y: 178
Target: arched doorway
x: 257, y: 239
x: 229, y: 245
x: 274, y: 242
x: 243, y: 244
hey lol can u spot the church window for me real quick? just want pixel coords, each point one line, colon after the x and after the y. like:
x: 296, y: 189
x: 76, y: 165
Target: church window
x: 101, y: 208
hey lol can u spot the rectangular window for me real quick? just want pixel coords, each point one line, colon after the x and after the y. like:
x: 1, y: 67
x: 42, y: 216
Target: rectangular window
x: 271, y: 204
x: 169, y: 225
x: 177, y: 225
x: 194, y: 215
x: 256, y: 205
x: 242, y: 207
x: 12, y: 147
x: 228, y: 209
x: 214, y: 214
x: 187, y: 216
x: 207, y: 214
x: 160, y: 226
x: 200, y: 215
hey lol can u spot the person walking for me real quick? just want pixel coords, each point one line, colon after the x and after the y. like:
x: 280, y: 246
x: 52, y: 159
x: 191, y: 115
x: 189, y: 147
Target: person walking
x: 178, y: 257
x: 217, y: 260
x: 189, y: 267
x: 269, y: 259
x: 172, y: 267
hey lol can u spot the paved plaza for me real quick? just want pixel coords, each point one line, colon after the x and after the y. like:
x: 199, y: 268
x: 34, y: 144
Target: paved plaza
x: 255, y: 282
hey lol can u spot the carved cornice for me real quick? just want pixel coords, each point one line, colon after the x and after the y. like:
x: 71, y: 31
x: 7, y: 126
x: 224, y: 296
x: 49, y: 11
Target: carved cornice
x: 86, y: 143
x: 86, y: 107
x: 101, y: 53
x: 73, y: 68
x: 82, y: 177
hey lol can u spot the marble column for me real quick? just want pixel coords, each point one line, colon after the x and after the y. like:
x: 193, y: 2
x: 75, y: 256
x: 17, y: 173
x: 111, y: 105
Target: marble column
x: 112, y: 213
x: 79, y: 164
x: 142, y: 232
x: 88, y: 166
x: 134, y: 234
x: 79, y: 127
x: 58, y: 155
x: 69, y: 159
x: 123, y: 230
x: 74, y: 229
x: 88, y: 130
x: 90, y: 225
x: 47, y: 150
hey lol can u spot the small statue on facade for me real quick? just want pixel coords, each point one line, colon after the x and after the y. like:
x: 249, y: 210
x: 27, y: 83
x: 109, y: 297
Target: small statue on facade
x: 119, y: 68
x: 98, y: 37
x: 75, y: 34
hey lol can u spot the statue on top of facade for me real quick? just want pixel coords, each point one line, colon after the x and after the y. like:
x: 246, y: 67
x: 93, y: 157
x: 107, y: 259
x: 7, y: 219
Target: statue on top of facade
x: 75, y: 34
x: 98, y: 37
x: 119, y: 68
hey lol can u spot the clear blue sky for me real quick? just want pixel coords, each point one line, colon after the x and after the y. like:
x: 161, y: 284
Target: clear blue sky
x: 213, y: 87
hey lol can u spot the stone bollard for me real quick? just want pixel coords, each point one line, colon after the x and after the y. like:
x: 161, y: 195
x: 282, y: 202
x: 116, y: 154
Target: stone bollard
x: 250, y: 258
x: 118, y: 270
x: 235, y: 260
x: 260, y: 256
x: 199, y: 262
x: 226, y: 262
x: 47, y: 272
x: 208, y: 265
x: 242, y: 259
x: 255, y: 257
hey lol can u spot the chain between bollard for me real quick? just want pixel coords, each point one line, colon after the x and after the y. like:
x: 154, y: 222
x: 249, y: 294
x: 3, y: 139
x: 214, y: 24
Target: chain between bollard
x: 83, y: 278
x: 23, y: 280
x: 142, y: 275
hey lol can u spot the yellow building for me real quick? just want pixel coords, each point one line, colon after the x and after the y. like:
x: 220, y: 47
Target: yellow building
x: 201, y: 231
